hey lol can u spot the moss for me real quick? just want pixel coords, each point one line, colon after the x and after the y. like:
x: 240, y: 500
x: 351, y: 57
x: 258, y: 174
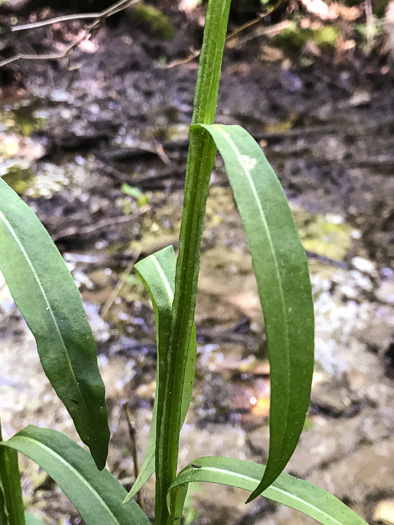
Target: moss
x: 293, y: 38
x: 323, y: 234
x: 19, y: 179
x: 159, y: 24
x: 23, y: 119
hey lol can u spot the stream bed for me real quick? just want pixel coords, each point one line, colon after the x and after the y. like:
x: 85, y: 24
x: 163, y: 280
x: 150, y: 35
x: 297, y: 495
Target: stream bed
x: 99, y: 154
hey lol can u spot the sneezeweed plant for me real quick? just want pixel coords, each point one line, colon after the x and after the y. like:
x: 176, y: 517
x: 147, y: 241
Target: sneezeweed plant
x: 46, y: 295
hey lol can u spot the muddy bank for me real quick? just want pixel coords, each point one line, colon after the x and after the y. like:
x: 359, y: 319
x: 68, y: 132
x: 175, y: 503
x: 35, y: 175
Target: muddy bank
x: 70, y: 143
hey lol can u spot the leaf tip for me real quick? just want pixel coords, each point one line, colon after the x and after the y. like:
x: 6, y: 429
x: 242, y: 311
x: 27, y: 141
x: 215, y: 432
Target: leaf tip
x: 127, y: 498
x: 99, y: 456
x: 251, y: 498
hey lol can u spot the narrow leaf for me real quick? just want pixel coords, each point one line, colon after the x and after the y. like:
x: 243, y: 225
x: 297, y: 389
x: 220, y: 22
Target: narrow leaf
x: 281, y: 270
x: 48, y: 299
x: 288, y: 490
x: 11, y: 502
x: 97, y: 495
x: 158, y: 274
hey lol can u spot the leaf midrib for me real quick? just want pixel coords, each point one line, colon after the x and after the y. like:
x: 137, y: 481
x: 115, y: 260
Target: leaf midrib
x: 272, y: 487
x: 167, y: 286
x: 70, y: 467
x: 49, y: 309
x: 263, y: 218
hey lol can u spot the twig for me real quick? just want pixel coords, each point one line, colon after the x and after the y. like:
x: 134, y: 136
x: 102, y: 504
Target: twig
x: 132, y: 433
x: 122, y: 4
x: 56, y: 20
x: 195, y: 54
x: 89, y: 31
x: 115, y: 292
x: 87, y: 230
x: 369, y: 25
x: 253, y: 22
x: 269, y: 31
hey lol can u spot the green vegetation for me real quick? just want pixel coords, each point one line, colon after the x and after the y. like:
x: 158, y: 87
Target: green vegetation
x: 154, y: 20
x: 48, y: 299
x: 294, y: 37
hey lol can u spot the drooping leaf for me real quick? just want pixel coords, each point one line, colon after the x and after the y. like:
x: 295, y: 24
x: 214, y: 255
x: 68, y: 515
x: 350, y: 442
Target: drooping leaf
x: 281, y: 270
x: 96, y: 494
x: 158, y: 274
x: 287, y: 490
x: 11, y: 502
x: 48, y: 299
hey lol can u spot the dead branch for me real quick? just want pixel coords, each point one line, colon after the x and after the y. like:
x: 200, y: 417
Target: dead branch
x: 196, y: 53
x: 116, y: 291
x: 90, y: 31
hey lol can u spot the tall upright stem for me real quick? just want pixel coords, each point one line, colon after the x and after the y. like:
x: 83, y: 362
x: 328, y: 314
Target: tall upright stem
x: 202, y: 151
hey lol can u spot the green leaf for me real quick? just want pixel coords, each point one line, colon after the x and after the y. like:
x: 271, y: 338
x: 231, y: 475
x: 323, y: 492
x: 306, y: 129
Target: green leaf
x: 288, y: 490
x: 97, y: 495
x: 48, y: 299
x: 281, y: 269
x: 158, y: 275
x: 32, y: 520
x: 3, y: 508
x: 11, y: 502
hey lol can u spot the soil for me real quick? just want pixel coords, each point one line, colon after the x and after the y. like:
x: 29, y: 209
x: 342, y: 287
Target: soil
x: 71, y: 139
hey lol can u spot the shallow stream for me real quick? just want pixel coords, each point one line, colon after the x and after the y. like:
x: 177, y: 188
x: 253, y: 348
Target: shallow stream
x: 71, y: 142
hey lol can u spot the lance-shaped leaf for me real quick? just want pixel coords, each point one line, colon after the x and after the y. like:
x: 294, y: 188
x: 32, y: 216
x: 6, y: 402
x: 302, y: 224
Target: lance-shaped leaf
x: 281, y: 270
x: 48, y: 299
x: 287, y: 490
x: 97, y: 495
x: 158, y: 274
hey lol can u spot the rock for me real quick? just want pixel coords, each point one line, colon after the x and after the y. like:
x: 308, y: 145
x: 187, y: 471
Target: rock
x: 335, y: 398
x: 325, y: 442
x: 358, y: 476
x: 258, y: 442
x: 364, y: 266
x: 384, y: 512
x: 377, y: 335
x: 360, y: 98
x: 385, y: 292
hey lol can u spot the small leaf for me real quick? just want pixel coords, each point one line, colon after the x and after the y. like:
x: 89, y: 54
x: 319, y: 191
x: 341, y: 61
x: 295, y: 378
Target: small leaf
x: 97, y: 495
x: 287, y: 490
x: 158, y: 274
x: 281, y: 270
x: 48, y: 299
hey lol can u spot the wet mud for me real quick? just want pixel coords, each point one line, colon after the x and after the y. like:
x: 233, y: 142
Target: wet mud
x: 99, y: 153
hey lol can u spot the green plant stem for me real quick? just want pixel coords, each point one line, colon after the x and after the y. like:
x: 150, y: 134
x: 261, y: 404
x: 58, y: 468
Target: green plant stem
x: 10, y: 487
x: 201, y: 157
